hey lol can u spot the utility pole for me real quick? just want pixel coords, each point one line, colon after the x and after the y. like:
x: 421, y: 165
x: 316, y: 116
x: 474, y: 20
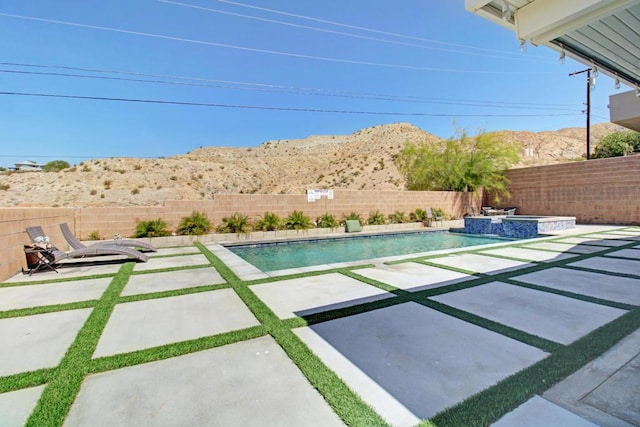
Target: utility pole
x: 588, y: 71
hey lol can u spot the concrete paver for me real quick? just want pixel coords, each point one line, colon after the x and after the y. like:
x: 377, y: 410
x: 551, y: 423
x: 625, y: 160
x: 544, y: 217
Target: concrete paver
x: 181, y: 250
x: 26, y: 296
x: 610, y: 242
x: 413, y: 277
x: 171, y: 280
x: 626, y: 253
x: 566, y: 247
x: 528, y: 254
x: 246, y: 383
x: 619, y: 235
x: 144, y: 324
x: 434, y: 362
x: 38, y: 341
x: 314, y: 294
x: 625, y: 266
x: 599, y: 285
x: 172, y: 262
x: 480, y: 263
x: 16, y: 406
x: 557, y: 318
x: 240, y: 267
x: 605, y: 391
x: 538, y: 412
x: 69, y: 270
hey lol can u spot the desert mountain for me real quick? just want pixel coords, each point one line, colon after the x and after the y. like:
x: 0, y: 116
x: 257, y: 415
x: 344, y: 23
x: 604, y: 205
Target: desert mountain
x: 363, y: 160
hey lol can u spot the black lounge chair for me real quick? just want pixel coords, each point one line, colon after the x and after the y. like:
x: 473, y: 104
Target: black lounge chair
x: 130, y: 243
x: 55, y: 255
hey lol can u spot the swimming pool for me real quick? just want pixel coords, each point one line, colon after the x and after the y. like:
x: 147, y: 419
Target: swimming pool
x: 305, y: 253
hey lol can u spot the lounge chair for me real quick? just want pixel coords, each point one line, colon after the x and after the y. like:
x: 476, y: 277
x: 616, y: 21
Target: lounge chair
x: 55, y: 255
x: 431, y: 217
x: 130, y: 243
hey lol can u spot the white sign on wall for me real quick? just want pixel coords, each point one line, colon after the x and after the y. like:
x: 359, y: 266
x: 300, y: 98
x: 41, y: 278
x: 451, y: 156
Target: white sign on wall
x: 313, y: 195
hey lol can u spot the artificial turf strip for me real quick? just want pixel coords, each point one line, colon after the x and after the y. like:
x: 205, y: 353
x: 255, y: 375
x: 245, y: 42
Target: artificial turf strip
x: 25, y: 379
x: 492, y: 403
x: 62, y: 388
x: 345, y: 403
x: 21, y: 312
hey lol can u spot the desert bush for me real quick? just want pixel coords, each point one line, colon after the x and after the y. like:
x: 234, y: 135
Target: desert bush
x: 93, y: 192
x: 297, y: 221
x: 236, y: 223
x: 4, y: 187
x: 397, y: 218
x: 326, y: 220
x: 376, y: 218
x: 107, y: 184
x: 135, y: 191
x: 56, y: 166
x: 152, y: 228
x: 268, y: 222
x: 137, y: 167
x: 194, y: 225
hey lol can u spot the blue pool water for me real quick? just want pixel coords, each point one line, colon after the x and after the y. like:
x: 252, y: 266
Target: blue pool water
x: 280, y: 256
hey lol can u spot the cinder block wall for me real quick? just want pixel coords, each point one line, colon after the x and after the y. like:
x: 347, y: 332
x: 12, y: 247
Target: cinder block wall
x: 600, y: 191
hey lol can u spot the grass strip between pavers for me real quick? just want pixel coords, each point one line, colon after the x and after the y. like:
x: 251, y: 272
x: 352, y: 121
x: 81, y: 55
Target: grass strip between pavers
x: 347, y: 405
x: 21, y: 312
x: 61, y: 390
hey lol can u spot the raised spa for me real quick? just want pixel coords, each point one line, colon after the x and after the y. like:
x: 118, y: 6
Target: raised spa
x: 517, y: 226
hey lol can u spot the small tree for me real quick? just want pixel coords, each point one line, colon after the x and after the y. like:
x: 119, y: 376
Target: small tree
x: 196, y: 224
x: 55, y: 166
x: 617, y: 144
x: 459, y: 164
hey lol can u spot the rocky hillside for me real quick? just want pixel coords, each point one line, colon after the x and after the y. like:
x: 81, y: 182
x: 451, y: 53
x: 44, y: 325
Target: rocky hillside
x: 363, y: 160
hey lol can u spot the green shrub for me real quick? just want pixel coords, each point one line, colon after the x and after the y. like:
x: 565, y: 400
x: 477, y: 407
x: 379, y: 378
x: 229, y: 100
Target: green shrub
x: 352, y: 216
x: 4, y: 187
x: 194, y: 225
x: 56, y: 166
x: 93, y: 192
x: 268, y: 222
x: 107, y: 184
x: 297, y: 221
x: 418, y: 215
x: 152, y: 228
x: 236, y: 223
x: 376, y: 218
x: 326, y: 221
x: 94, y: 235
x: 137, y: 167
x: 135, y: 191
x: 397, y: 218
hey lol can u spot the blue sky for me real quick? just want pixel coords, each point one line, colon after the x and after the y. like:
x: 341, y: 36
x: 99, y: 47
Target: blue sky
x: 258, y: 67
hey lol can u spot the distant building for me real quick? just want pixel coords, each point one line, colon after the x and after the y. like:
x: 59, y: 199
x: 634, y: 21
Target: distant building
x: 28, y: 165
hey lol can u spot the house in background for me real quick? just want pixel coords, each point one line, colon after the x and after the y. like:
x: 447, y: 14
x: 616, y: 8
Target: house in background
x: 28, y: 165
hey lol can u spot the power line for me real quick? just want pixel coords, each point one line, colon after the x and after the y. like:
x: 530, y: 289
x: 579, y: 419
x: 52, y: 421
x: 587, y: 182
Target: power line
x: 394, y: 98
x: 355, y: 27
x: 342, y: 33
x: 264, y: 107
x: 267, y: 51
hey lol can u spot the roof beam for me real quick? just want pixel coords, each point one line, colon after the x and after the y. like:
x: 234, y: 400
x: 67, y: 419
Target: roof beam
x: 544, y: 20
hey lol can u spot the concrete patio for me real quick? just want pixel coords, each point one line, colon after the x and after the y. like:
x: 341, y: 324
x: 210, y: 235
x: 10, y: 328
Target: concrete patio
x: 197, y: 337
